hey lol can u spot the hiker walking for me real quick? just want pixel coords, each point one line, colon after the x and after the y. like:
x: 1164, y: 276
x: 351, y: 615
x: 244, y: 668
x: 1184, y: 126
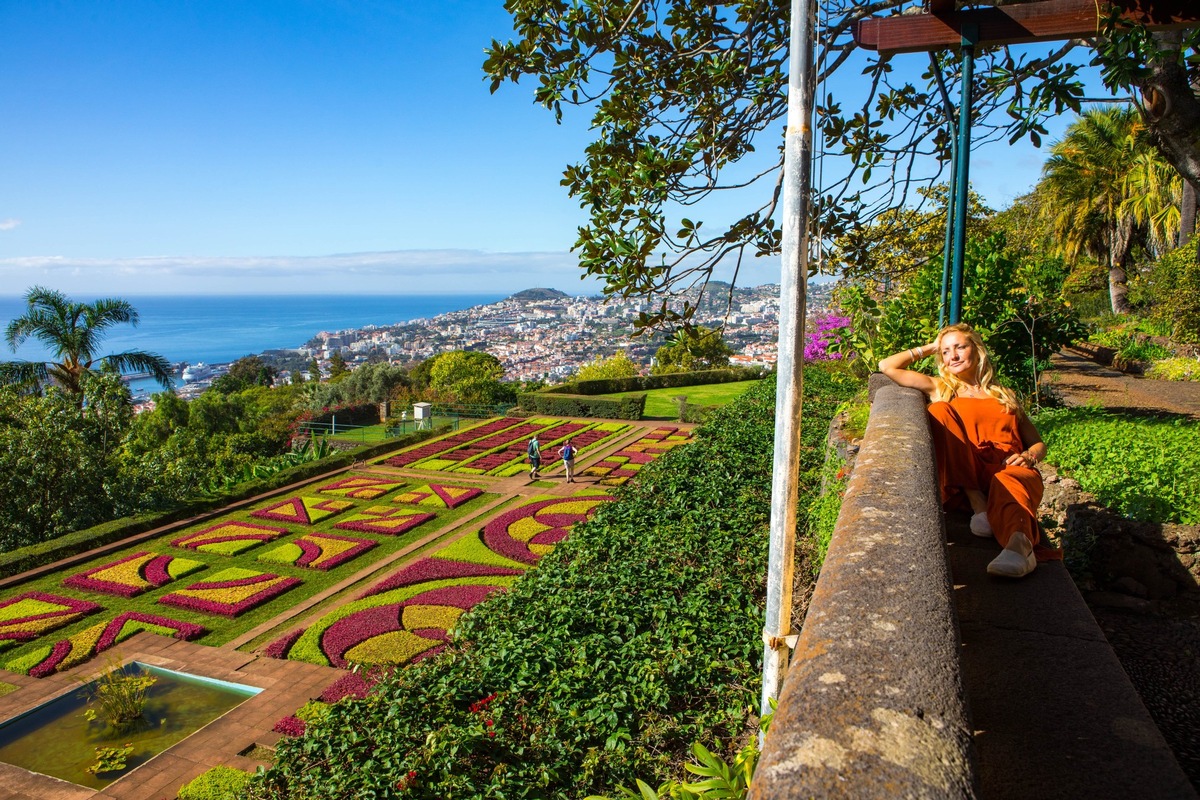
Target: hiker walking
x: 568, y: 459
x: 535, y: 457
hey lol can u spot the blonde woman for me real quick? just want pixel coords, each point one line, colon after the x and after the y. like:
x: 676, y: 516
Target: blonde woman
x: 987, y: 449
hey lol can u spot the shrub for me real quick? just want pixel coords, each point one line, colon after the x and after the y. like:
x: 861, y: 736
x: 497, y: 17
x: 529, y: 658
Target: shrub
x: 219, y: 783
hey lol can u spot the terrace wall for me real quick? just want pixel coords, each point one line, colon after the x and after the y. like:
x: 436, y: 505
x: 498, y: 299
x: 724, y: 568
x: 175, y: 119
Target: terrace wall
x: 917, y: 675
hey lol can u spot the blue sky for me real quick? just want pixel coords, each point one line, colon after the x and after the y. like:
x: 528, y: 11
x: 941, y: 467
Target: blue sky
x: 290, y: 147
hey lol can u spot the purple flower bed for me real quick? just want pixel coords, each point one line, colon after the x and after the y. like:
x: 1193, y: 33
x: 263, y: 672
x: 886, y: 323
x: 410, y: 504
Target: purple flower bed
x: 114, y: 632
x: 302, y: 510
x: 153, y: 574
x: 435, y: 569
x: 283, y: 645
x: 347, y: 633
x: 230, y: 598
x: 449, y: 443
x: 514, y: 437
x: 291, y: 725
x: 352, y: 684
x: 499, y: 538
x: 228, y: 532
x: 381, y: 519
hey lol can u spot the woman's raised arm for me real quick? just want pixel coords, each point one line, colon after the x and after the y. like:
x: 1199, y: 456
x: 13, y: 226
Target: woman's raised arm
x: 896, y: 367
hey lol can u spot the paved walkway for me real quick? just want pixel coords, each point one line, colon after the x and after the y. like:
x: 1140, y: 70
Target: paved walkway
x: 1080, y: 381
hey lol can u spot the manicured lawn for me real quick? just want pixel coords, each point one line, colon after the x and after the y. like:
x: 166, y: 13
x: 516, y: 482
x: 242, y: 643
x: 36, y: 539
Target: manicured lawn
x: 660, y: 403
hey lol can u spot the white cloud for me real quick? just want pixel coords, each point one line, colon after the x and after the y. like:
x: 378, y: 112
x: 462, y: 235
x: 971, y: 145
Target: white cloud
x: 9, y: 224
x: 398, y: 271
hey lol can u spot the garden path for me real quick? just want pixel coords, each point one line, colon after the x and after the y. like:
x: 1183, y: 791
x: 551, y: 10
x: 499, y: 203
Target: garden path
x: 1079, y: 381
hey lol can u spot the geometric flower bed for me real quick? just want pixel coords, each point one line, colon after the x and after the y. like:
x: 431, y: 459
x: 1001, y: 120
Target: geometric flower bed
x: 407, y: 616
x: 318, y: 551
x: 438, y: 495
x: 29, y: 615
x: 230, y: 592
x: 597, y: 434
x: 626, y: 462
x: 483, y: 462
x: 449, y: 442
x: 96, y: 639
x: 302, y: 510
x: 451, y: 459
x: 361, y: 487
x: 384, y: 519
x: 528, y: 532
x: 229, y: 538
x: 132, y: 575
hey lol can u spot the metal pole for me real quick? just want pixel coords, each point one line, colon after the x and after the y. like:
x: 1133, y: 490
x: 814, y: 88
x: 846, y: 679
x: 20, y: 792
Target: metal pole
x: 970, y: 35
x: 797, y: 170
x: 947, y: 245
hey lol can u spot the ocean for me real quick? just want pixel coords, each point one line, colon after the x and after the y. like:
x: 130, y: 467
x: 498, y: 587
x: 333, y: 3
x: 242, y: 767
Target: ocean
x: 218, y: 329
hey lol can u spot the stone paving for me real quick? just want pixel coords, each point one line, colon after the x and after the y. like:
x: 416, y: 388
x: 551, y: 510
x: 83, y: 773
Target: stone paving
x: 286, y: 684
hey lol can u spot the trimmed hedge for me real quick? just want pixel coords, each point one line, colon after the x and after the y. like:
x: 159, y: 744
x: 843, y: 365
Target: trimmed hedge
x: 579, y: 405
x: 36, y: 555
x: 643, y: 383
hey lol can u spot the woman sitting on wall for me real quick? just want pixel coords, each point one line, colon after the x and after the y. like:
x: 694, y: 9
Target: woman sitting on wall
x: 987, y: 449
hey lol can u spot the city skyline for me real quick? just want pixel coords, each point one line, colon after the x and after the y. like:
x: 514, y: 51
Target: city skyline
x: 293, y: 147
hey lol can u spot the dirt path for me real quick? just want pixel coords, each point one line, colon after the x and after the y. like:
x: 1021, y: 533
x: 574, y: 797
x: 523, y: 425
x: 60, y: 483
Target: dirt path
x: 1079, y: 381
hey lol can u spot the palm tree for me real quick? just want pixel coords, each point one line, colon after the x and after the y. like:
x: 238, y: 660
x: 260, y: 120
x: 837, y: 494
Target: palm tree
x: 72, y: 332
x: 1102, y: 188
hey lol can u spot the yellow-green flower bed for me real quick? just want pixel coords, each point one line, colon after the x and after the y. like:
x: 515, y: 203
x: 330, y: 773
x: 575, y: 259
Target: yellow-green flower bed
x: 243, y: 572
x: 407, y: 616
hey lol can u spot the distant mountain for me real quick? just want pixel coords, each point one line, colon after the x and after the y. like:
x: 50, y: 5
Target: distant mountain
x: 531, y: 295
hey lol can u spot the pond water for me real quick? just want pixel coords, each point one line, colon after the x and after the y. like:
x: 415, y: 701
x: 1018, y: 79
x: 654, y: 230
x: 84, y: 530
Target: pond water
x: 55, y: 738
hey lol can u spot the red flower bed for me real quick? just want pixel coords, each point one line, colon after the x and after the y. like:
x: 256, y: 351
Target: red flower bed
x: 449, y: 443
x: 435, y: 569
x: 550, y: 519
x: 230, y: 598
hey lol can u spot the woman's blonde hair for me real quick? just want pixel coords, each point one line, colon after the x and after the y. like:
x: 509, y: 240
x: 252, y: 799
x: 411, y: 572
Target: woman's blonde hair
x: 951, y: 385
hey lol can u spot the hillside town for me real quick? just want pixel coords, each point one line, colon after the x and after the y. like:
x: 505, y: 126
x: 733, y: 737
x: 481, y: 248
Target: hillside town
x: 543, y: 334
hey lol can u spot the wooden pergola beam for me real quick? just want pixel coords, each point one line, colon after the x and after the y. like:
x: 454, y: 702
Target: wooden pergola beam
x: 1015, y: 24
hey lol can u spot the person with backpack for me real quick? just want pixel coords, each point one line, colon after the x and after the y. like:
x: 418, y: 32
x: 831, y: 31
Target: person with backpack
x: 535, y: 457
x: 568, y: 459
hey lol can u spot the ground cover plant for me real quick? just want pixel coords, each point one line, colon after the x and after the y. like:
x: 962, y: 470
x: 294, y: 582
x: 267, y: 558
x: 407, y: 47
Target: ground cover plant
x: 617, y: 468
x: 661, y: 403
x: 406, y: 617
x: 1143, y: 468
x: 241, y: 572
x: 634, y: 638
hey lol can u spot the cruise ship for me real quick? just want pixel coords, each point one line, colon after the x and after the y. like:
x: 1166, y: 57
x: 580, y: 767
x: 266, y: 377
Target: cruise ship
x: 197, y: 372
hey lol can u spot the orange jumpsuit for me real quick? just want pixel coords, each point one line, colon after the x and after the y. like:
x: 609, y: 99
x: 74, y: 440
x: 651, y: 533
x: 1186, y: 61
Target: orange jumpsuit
x: 972, y: 437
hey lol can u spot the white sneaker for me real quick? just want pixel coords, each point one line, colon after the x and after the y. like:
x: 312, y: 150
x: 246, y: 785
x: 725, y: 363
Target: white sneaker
x: 980, y: 525
x: 1011, y: 564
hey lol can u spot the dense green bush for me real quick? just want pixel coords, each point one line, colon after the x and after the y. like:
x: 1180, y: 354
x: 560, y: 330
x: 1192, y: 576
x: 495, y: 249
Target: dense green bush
x: 1172, y: 292
x: 578, y: 405
x: 636, y: 637
x: 644, y: 383
x: 1143, y: 468
x: 219, y: 783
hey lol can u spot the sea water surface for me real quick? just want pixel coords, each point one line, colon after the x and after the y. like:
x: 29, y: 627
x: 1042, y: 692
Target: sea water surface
x: 219, y: 329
